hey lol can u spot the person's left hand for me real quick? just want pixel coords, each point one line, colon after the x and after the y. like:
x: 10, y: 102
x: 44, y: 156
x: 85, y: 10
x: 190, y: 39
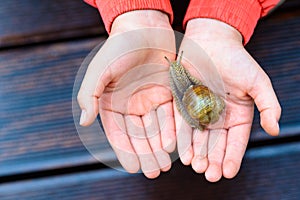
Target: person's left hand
x: 219, y: 149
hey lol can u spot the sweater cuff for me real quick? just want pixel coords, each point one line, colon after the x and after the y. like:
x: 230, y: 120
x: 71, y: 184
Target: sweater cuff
x: 242, y: 15
x: 110, y: 9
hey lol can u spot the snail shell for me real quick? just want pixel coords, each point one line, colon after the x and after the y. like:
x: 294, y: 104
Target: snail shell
x: 197, y: 104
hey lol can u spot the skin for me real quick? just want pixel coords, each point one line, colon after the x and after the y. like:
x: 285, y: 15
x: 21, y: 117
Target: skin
x: 141, y: 125
x: 219, y: 150
x: 138, y: 123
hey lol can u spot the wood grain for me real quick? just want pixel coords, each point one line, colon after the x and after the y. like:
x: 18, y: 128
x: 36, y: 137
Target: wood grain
x: 37, y: 131
x: 267, y: 173
x: 33, y: 21
x: 36, y: 122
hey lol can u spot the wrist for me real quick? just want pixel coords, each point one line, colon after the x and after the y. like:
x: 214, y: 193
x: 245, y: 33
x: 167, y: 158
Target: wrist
x: 211, y: 30
x: 139, y: 19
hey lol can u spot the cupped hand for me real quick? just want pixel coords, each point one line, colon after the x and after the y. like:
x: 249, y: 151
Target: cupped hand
x: 126, y: 82
x: 218, y: 150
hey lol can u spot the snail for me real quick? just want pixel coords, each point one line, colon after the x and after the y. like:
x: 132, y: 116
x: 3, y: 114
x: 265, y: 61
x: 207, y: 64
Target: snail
x: 197, y: 104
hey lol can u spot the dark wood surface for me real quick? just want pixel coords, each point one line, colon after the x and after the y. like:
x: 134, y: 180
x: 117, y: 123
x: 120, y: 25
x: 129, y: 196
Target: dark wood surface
x: 37, y: 128
x: 267, y: 173
x: 41, y: 49
x: 32, y: 21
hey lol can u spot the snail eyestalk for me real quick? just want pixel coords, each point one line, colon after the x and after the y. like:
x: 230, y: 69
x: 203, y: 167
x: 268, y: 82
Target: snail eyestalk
x: 179, y: 58
x: 168, y: 60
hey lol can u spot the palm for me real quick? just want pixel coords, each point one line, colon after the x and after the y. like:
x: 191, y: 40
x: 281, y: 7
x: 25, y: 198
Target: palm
x: 135, y: 89
x: 237, y: 77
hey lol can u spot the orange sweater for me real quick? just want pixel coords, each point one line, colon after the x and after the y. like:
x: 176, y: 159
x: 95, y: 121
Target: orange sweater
x: 241, y: 14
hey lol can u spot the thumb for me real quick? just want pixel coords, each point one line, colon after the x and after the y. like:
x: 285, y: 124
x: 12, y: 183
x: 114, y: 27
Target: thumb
x: 91, y: 89
x: 89, y: 107
x: 267, y: 103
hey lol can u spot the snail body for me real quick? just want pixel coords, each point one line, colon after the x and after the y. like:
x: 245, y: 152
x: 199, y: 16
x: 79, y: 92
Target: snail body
x: 197, y: 104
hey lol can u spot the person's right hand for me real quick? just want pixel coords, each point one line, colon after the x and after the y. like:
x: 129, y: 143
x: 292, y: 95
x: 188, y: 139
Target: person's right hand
x: 126, y: 83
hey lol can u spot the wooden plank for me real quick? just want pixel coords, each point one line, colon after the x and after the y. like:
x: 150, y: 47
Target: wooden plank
x: 267, y: 173
x: 36, y: 122
x: 32, y: 21
x: 289, y: 4
x: 36, y: 125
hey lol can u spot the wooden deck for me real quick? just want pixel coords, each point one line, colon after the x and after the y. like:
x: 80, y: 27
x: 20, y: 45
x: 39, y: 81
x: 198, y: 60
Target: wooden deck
x: 42, y: 45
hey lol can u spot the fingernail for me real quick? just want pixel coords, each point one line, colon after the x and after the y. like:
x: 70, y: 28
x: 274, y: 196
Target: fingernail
x: 82, y: 117
x: 278, y: 128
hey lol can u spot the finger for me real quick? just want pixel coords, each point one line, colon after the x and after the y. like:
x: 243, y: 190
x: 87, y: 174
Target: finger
x: 167, y: 126
x: 267, y: 104
x: 184, y: 138
x: 216, y: 151
x: 237, y: 140
x: 115, y: 129
x: 200, y: 142
x: 139, y: 141
x: 153, y: 134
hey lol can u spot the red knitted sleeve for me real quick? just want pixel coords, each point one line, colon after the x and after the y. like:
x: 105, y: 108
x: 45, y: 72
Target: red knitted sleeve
x: 110, y: 9
x: 242, y: 15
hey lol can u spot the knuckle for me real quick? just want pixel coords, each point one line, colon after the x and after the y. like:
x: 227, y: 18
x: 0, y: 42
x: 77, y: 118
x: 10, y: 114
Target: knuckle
x: 79, y: 98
